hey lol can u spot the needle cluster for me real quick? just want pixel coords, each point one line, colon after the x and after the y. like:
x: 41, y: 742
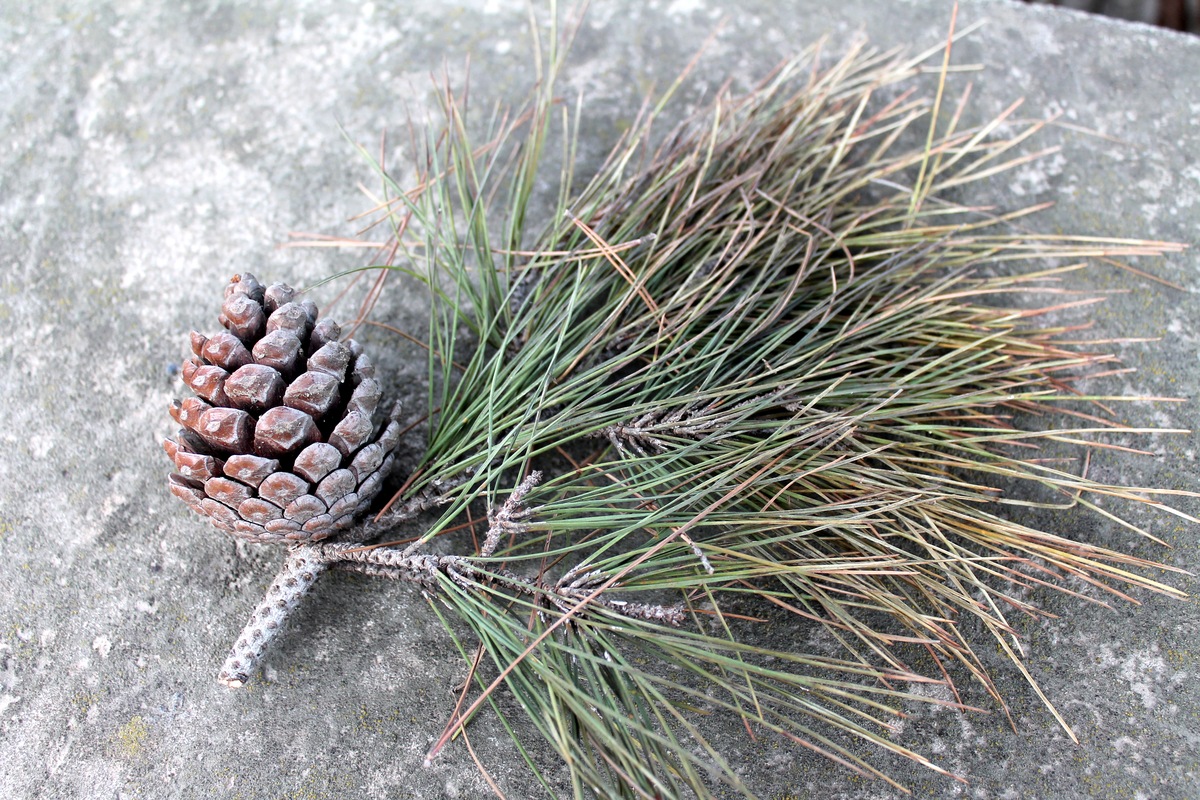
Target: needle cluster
x: 762, y: 373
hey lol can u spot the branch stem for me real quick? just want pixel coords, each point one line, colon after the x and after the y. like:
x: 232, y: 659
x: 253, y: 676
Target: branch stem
x: 468, y: 573
x: 299, y: 572
x: 306, y: 563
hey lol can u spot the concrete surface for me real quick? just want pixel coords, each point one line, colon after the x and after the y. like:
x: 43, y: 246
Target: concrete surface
x: 152, y: 150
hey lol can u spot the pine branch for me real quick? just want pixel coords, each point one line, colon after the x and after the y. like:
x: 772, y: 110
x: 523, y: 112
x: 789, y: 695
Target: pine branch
x: 762, y: 294
x: 467, y: 573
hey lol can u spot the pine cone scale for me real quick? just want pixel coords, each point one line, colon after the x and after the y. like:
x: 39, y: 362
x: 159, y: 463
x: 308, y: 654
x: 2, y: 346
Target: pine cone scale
x: 185, y: 491
x: 316, y: 461
x: 259, y: 511
x: 304, y: 508
x: 231, y: 493
x: 282, y: 488
x: 250, y: 469
x: 282, y: 431
x: 254, y: 387
x: 282, y: 528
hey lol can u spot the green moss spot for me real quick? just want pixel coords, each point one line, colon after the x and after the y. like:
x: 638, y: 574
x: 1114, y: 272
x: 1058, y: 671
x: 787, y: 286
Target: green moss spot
x: 133, y: 735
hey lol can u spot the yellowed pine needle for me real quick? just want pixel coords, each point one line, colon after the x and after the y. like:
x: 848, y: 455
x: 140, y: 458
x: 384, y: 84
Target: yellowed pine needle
x: 613, y: 257
x: 317, y: 240
x: 920, y: 189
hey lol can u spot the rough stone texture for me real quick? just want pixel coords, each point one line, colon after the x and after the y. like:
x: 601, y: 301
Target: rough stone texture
x: 153, y: 151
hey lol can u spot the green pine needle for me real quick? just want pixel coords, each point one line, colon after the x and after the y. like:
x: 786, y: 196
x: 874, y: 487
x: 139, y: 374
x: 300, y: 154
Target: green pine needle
x: 774, y: 375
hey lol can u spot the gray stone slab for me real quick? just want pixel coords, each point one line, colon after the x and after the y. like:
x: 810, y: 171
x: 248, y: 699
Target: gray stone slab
x: 151, y: 151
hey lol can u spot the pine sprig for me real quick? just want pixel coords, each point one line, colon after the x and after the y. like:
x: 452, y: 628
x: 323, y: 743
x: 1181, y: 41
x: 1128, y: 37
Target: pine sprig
x: 769, y: 369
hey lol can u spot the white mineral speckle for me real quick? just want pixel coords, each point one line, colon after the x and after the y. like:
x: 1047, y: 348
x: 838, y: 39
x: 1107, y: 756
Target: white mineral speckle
x: 40, y: 445
x: 111, y: 504
x: 102, y: 645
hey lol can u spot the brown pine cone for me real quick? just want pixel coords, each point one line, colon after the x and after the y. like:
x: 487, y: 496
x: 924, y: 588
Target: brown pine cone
x: 280, y: 443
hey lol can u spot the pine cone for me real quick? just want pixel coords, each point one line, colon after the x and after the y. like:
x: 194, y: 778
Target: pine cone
x: 280, y: 443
